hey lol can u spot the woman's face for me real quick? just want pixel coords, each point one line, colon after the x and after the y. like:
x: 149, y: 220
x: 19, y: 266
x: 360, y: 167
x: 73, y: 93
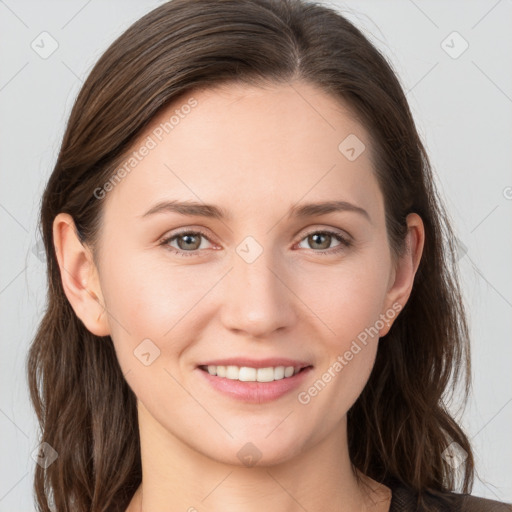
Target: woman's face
x: 263, y: 285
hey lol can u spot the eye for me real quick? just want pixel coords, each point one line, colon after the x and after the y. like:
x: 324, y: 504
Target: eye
x: 188, y: 242
x: 322, y: 240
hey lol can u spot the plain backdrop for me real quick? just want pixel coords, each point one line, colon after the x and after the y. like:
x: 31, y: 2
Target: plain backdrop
x: 454, y: 61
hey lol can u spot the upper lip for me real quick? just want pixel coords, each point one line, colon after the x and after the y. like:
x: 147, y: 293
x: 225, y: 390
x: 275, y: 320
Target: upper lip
x: 257, y: 363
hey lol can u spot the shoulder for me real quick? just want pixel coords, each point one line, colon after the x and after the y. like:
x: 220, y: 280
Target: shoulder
x: 406, y: 500
x: 476, y: 504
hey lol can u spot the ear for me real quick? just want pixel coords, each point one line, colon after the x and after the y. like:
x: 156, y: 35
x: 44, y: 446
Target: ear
x: 79, y: 276
x: 402, y: 276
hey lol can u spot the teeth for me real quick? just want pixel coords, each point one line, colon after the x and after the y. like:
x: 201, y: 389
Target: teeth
x: 232, y: 372
x: 265, y: 374
x: 288, y: 371
x: 247, y: 374
x: 280, y: 372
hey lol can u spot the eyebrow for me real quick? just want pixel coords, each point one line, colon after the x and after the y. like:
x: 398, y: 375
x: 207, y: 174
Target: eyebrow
x: 194, y: 208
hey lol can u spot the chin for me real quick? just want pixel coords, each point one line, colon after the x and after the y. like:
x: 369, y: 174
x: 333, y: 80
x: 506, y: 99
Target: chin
x: 257, y: 448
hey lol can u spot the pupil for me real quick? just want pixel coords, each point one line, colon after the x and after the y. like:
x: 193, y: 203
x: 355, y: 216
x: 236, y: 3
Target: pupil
x: 319, y: 235
x: 187, y: 238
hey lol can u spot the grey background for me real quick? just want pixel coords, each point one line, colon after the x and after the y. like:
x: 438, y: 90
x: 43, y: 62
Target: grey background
x: 462, y: 105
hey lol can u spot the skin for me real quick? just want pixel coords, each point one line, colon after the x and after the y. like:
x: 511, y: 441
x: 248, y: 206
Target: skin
x: 255, y: 152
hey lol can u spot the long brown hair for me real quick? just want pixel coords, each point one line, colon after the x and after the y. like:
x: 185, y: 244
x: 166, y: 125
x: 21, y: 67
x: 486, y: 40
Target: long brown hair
x: 400, y: 426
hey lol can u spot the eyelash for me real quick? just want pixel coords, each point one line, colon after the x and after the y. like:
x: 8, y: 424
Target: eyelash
x: 344, y: 243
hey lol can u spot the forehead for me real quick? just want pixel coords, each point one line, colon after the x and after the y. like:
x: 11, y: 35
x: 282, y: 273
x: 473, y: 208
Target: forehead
x: 252, y: 147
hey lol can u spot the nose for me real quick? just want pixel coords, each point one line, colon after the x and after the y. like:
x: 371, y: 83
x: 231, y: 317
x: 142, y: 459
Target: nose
x: 258, y: 297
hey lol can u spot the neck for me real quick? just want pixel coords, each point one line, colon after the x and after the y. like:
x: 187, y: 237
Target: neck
x: 177, y: 477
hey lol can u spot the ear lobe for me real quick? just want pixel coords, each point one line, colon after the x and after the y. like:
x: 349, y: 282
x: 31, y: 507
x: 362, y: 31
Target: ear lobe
x: 79, y: 276
x: 405, y: 270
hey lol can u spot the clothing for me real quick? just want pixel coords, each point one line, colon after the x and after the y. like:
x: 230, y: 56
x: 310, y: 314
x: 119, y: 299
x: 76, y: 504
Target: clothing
x: 405, y: 500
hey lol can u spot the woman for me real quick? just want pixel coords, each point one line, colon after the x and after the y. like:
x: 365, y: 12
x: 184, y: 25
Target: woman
x: 200, y: 351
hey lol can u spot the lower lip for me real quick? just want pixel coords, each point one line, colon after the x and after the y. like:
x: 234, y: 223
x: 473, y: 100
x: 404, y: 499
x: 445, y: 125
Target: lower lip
x: 255, y: 392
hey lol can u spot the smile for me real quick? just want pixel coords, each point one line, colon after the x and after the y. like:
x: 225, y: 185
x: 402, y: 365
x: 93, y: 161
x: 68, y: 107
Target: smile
x: 253, y: 385
x: 249, y: 374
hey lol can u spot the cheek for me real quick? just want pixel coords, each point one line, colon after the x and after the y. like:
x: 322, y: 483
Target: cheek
x: 338, y: 385
x: 151, y: 298
x: 150, y: 294
x: 346, y: 298
x: 349, y: 351
x: 347, y: 301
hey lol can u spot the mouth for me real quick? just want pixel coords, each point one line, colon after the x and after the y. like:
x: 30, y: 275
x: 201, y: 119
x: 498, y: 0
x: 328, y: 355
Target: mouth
x: 254, y: 382
x: 253, y: 374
